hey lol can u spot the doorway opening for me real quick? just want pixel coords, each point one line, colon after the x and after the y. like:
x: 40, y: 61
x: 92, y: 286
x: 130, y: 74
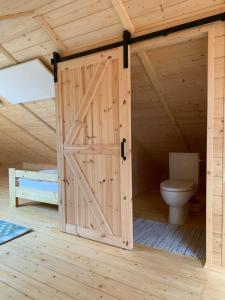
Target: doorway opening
x: 169, y: 146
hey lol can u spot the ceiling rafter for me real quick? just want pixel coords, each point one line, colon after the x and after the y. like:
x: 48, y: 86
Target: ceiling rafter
x: 152, y: 76
x: 16, y: 15
x: 123, y: 15
x: 8, y: 55
x: 51, y: 33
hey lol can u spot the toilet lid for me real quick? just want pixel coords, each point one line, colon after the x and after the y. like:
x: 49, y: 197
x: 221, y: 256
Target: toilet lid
x: 177, y: 185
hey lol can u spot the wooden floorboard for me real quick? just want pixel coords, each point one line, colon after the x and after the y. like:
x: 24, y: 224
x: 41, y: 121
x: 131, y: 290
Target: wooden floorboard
x: 47, y: 264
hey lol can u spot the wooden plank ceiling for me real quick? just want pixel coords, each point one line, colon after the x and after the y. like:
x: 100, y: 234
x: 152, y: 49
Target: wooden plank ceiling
x: 34, y: 29
x: 28, y: 133
x: 169, y: 100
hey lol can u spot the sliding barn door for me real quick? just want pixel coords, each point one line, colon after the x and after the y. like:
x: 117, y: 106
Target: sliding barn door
x: 94, y: 148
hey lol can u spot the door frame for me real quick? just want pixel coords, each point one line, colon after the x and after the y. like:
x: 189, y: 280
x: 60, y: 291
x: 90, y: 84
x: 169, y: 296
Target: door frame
x: 207, y: 31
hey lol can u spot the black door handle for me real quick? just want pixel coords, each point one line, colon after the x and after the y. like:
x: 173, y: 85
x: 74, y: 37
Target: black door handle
x: 123, y: 149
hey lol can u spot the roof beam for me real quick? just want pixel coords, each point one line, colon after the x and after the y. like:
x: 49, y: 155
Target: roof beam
x: 16, y: 15
x: 8, y: 55
x: 51, y: 33
x: 123, y: 15
x: 152, y: 75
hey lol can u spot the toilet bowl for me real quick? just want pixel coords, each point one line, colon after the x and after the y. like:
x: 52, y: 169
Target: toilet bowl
x: 181, y: 185
x: 176, y: 194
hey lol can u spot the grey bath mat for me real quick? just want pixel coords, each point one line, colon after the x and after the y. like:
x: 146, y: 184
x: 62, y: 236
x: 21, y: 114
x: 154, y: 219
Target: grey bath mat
x: 10, y: 231
x: 172, y: 238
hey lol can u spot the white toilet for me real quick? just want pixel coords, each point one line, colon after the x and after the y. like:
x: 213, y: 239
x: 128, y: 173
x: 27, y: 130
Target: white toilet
x: 181, y: 186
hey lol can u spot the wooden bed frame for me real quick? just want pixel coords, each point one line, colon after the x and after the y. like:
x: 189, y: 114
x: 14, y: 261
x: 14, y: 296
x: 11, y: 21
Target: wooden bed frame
x: 16, y: 192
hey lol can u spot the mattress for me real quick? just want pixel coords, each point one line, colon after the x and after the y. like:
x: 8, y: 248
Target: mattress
x: 40, y: 184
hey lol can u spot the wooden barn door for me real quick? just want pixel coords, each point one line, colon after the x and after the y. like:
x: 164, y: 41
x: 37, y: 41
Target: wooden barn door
x: 94, y: 126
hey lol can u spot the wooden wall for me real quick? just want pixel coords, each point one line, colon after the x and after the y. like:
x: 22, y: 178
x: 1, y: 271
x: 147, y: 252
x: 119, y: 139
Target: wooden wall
x: 216, y: 211
x: 145, y: 174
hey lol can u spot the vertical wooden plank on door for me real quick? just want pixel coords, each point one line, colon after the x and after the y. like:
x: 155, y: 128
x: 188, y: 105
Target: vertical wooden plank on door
x: 115, y: 163
x: 93, y: 124
x: 109, y: 140
x: 125, y: 165
x: 221, y: 27
x: 60, y: 158
x: 67, y: 96
x: 78, y: 94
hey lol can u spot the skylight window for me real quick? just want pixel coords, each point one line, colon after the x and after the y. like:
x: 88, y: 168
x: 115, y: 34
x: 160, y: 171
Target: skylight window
x: 26, y: 82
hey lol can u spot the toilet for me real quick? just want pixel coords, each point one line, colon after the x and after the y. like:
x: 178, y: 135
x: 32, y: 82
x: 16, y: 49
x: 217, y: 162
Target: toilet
x: 181, y: 185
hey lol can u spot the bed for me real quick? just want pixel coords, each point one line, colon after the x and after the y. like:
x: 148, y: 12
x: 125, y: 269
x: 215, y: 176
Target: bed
x: 40, y: 186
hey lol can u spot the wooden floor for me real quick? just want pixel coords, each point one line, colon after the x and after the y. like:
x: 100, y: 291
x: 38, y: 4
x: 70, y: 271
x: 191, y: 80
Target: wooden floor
x: 47, y: 264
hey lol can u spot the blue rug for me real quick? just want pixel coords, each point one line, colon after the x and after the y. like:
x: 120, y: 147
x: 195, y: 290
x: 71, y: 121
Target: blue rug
x: 172, y: 238
x: 10, y: 231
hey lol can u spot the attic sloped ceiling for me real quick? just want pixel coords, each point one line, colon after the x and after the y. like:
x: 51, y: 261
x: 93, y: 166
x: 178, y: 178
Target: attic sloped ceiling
x: 77, y: 24
x: 29, y: 129
x: 65, y: 26
x: 181, y: 72
x: 27, y: 133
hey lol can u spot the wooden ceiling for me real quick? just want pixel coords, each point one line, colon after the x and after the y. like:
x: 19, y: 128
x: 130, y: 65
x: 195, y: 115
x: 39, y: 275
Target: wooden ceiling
x: 169, y: 100
x: 34, y: 29
x: 64, y: 25
x: 28, y: 133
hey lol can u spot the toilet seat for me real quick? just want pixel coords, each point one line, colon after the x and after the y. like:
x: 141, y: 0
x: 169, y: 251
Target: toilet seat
x: 177, y: 185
